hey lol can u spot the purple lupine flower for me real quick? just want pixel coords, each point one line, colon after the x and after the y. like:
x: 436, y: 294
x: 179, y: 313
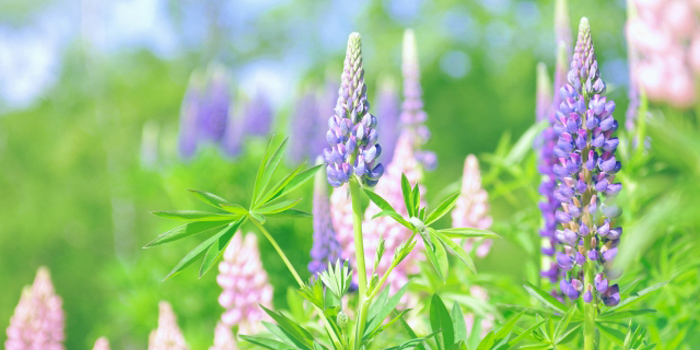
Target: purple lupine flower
x: 101, y: 344
x: 168, y: 335
x: 232, y: 141
x: 38, y: 321
x: 472, y: 208
x: 223, y: 338
x: 585, y: 172
x: 244, y: 283
x: 413, y: 117
x: 214, y: 113
x: 326, y: 248
x: 190, y: 111
x: 352, y: 134
x: 304, y: 127
x: 258, y: 115
x: 388, y: 105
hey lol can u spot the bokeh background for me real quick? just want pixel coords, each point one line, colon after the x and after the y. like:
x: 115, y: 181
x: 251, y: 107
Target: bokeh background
x: 90, y: 96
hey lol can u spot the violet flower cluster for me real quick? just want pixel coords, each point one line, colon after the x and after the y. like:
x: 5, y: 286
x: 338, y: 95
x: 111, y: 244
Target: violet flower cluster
x: 326, y: 248
x: 245, y: 284
x: 585, y: 174
x: 38, y: 321
x: 388, y: 105
x: 168, y: 335
x: 413, y: 117
x: 352, y: 131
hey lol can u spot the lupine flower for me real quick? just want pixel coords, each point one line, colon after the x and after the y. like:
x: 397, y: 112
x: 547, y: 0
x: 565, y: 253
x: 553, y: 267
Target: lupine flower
x: 215, y: 109
x: 244, y: 283
x: 388, y: 105
x: 352, y: 134
x: 232, y: 142
x: 101, y: 344
x: 258, y: 115
x: 413, y: 117
x: 585, y: 174
x: 304, y: 127
x: 664, y: 34
x: 223, y: 338
x: 326, y: 248
x: 190, y: 111
x: 38, y: 321
x: 394, y: 234
x: 472, y: 205
x: 168, y: 335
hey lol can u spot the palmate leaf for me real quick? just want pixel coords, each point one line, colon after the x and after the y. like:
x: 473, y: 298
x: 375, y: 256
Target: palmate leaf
x: 298, y: 180
x: 440, y: 320
x: 278, y: 206
x: 468, y: 232
x: 185, y: 230
x: 379, y: 201
x: 619, y: 315
x: 512, y: 343
x: 636, y: 297
x: 545, y: 298
x: 418, y: 341
x: 456, y: 249
x: 297, y: 332
x: 442, y: 209
x: 436, y: 254
x: 259, y: 186
x: 209, y: 198
x: 394, y: 215
x: 407, y: 198
x: 383, y: 306
x: 291, y: 214
x: 270, y: 169
x: 235, y: 209
x: 195, y: 215
x: 266, y: 343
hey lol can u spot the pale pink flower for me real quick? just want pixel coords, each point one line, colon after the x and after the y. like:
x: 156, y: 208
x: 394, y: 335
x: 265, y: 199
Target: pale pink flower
x: 341, y: 218
x: 168, y: 335
x: 245, y: 285
x: 472, y: 208
x: 101, y: 344
x: 38, y: 321
x: 223, y: 338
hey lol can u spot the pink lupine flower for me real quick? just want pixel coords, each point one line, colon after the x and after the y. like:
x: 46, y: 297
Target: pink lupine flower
x: 389, y: 187
x: 472, y: 208
x: 245, y: 285
x: 341, y: 218
x: 38, y: 321
x: 223, y: 338
x: 168, y: 335
x: 481, y: 294
x: 662, y: 36
x: 101, y: 344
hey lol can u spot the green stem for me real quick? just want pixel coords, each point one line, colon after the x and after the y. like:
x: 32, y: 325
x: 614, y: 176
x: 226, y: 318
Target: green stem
x: 394, y: 263
x: 326, y: 323
x: 359, y: 260
x: 589, y: 309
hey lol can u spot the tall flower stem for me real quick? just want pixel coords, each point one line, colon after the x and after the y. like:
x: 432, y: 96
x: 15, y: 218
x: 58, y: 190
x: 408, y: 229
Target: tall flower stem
x: 294, y: 272
x: 359, y: 259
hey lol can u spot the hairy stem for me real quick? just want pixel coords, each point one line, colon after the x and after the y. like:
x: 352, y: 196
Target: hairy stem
x: 326, y: 323
x: 359, y: 260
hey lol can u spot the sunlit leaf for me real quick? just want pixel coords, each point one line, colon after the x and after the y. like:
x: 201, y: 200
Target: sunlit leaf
x: 440, y: 320
x: 185, y: 230
x: 468, y: 232
x: 545, y: 298
x: 442, y: 209
x: 195, y: 215
x: 209, y: 198
x: 216, y: 249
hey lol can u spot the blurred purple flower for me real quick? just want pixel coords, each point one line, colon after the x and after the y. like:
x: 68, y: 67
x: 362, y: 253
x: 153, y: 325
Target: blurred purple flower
x: 258, y: 115
x: 304, y: 126
x: 190, y: 111
x: 216, y: 103
x: 388, y: 105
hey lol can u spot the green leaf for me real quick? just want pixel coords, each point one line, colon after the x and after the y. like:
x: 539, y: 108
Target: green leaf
x: 416, y: 200
x: 276, y: 190
x: 259, y: 186
x: 487, y: 342
x: 298, y: 180
x: 636, y: 297
x: 505, y: 330
x: 460, y: 326
x: 611, y: 333
x: 411, y: 333
x: 195, y: 215
x: 407, y: 198
x: 564, y: 324
x: 296, y: 331
x: 456, y: 249
x: 383, y: 310
x: 209, y: 198
x: 467, y: 232
x: 442, y: 209
x: 440, y: 320
x: 185, y: 230
x: 437, y: 256
x: 266, y: 343
x: 270, y: 169
x: 379, y: 201
x: 524, y: 334
x: 394, y: 215
x: 195, y: 254
x: 236, y: 209
x: 216, y: 249
x: 283, y: 335
x: 290, y: 214
x: 278, y: 207
x: 258, y: 217
x: 545, y: 298
x: 618, y: 315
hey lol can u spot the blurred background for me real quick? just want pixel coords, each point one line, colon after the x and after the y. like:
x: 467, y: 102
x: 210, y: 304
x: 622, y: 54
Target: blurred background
x: 91, y: 94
